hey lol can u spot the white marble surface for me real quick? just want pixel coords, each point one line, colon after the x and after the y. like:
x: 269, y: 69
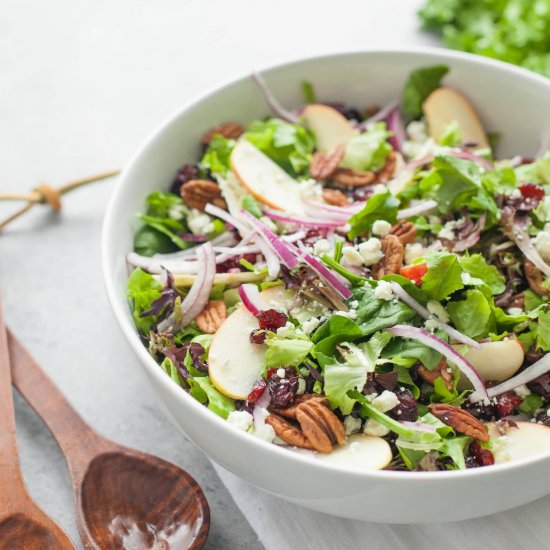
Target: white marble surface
x: 82, y: 83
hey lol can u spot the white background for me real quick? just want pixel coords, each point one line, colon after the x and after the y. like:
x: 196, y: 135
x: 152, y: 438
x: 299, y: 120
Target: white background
x: 82, y: 83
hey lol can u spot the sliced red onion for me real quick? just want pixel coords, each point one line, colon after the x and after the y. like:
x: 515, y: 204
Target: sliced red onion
x: 191, y: 237
x: 418, y: 426
x: 542, y: 366
x: 338, y: 219
x: 425, y: 314
x: 417, y: 209
x: 380, y: 115
x: 308, y: 222
x: 395, y: 125
x: 460, y: 154
x: 224, y: 239
x: 275, y: 106
x: 152, y: 265
x: 250, y: 295
x: 524, y: 243
x: 343, y: 210
x: 293, y: 237
x: 280, y: 247
x: 419, y: 162
x: 331, y: 278
x: 227, y: 217
x: 271, y: 258
x: 432, y: 341
x: 260, y: 409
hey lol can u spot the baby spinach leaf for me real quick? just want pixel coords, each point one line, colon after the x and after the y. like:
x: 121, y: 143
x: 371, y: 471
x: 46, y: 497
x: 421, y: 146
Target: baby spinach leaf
x: 382, y: 206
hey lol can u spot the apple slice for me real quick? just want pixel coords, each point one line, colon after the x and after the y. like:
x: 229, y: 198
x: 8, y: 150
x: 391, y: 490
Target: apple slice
x: 265, y: 179
x: 444, y: 106
x: 528, y: 439
x: 495, y: 361
x: 329, y: 127
x: 361, y: 453
x: 234, y: 363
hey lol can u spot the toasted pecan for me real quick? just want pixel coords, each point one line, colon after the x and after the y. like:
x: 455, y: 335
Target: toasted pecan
x: 535, y: 278
x: 288, y: 432
x: 441, y: 370
x: 290, y: 412
x: 210, y: 319
x: 460, y: 420
x: 353, y: 178
x: 229, y: 130
x: 388, y: 169
x: 406, y: 231
x: 320, y: 425
x: 323, y: 165
x: 335, y: 197
x: 198, y: 193
x: 392, y: 261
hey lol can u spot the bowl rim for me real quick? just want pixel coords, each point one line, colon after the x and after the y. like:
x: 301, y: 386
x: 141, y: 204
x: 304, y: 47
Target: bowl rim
x: 131, y: 335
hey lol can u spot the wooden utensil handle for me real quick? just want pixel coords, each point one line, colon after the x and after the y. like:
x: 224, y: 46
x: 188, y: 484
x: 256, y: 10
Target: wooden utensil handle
x: 9, y: 458
x: 77, y: 440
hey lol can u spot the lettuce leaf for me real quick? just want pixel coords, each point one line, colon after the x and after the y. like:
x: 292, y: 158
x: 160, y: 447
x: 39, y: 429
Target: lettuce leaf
x: 217, y: 156
x: 420, y: 84
x: 142, y: 290
x: 382, y: 206
x: 472, y: 316
x: 203, y: 391
x: 444, y: 276
x: 477, y: 267
x: 286, y: 352
x: 369, y: 150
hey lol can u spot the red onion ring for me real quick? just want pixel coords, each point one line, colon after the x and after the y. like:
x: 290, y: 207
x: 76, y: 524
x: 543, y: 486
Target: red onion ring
x: 250, y: 295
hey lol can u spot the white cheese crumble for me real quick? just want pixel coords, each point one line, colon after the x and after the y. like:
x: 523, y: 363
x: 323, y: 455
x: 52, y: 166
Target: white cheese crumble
x: 435, y: 308
x: 281, y: 373
x: 386, y: 401
x: 379, y: 188
x: 542, y: 244
x: 352, y: 425
x: 351, y: 314
x: 351, y: 257
x: 322, y: 246
x: 514, y: 311
x: 522, y: 391
x: 301, y: 386
x: 373, y: 427
x: 381, y: 227
x: 413, y: 251
x: 198, y: 222
x: 383, y: 291
x: 241, y: 420
x: 177, y: 212
x: 431, y: 324
x: 447, y: 231
x: 286, y: 331
x: 265, y: 432
x: 467, y: 279
x: 371, y: 251
x: 310, y: 325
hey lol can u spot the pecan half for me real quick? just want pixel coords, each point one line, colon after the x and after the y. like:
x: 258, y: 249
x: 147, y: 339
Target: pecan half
x: 517, y: 300
x: 353, y: 178
x: 288, y: 432
x: 392, y: 261
x: 406, y: 231
x: 460, y: 420
x: 534, y: 278
x: 441, y: 370
x: 335, y: 197
x: 323, y: 166
x: 210, y: 319
x: 198, y: 193
x: 388, y: 169
x: 229, y: 130
x: 320, y: 425
x: 290, y: 412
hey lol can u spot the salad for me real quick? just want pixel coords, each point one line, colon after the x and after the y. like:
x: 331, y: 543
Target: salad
x: 366, y: 285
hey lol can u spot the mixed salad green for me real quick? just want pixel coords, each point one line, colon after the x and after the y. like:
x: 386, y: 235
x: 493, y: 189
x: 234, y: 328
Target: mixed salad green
x: 348, y: 281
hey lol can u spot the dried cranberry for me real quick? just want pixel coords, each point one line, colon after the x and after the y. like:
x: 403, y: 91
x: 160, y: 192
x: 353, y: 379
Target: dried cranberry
x: 481, y: 456
x: 271, y: 319
x: 532, y: 191
x: 363, y: 193
x: 234, y: 263
x: 186, y: 173
x: 349, y: 112
x: 258, y: 336
x: 507, y: 403
x: 313, y: 235
x: 257, y: 391
x: 407, y: 408
x: 282, y: 389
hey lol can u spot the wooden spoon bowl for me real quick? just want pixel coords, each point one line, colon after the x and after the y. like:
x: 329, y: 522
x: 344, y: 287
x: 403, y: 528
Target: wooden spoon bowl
x: 18, y: 530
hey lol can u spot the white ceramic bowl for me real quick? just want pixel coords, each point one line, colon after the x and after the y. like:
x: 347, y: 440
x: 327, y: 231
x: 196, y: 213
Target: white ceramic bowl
x: 510, y: 100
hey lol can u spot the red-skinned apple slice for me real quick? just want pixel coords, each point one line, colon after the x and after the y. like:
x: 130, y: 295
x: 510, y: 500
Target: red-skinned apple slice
x: 361, y: 453
x: 329, y: 127
x: 265, y: 179
x: 444, y: 106
x: 234, y: 363
x: 528, y: 439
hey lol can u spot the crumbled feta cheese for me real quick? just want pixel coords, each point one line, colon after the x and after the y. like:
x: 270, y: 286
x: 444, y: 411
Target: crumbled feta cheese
x: 373, y: 427
x: 467, y: 279
x: 352, y: 425
x: 265, y: 432
x: 241, y: 420
x: 434, y: 220
x: 310, y: 325
x: 177, y: 212
x: 383, y: 291
x: 198, y: 222
x: 516, y: 194
x: 281, y: 373
x: 514, y: 311
x: 286, y: 331
x: 371, y: 251
x: 322, y: 246
x: 542, y: 244
x: 351, y: 257
x: 386, y: 401
x: 543, y: 209
x: 379, y: 188
x: 413, y: 251
x: 447, y: 231
x: 522, y: 391
x: 301, y: 386
x: 351, y: 314
x: 417, y: 131
x: 431, y: 324
x: 381, y: 227
x: 354, y: 304
x: 435, y: 308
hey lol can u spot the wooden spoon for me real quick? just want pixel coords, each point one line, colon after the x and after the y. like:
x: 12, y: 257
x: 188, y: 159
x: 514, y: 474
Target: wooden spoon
x: 125, y: 499
x: 22, y: 523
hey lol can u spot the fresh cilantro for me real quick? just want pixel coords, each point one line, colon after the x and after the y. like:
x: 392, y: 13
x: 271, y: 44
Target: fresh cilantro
x: 419, y: 86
